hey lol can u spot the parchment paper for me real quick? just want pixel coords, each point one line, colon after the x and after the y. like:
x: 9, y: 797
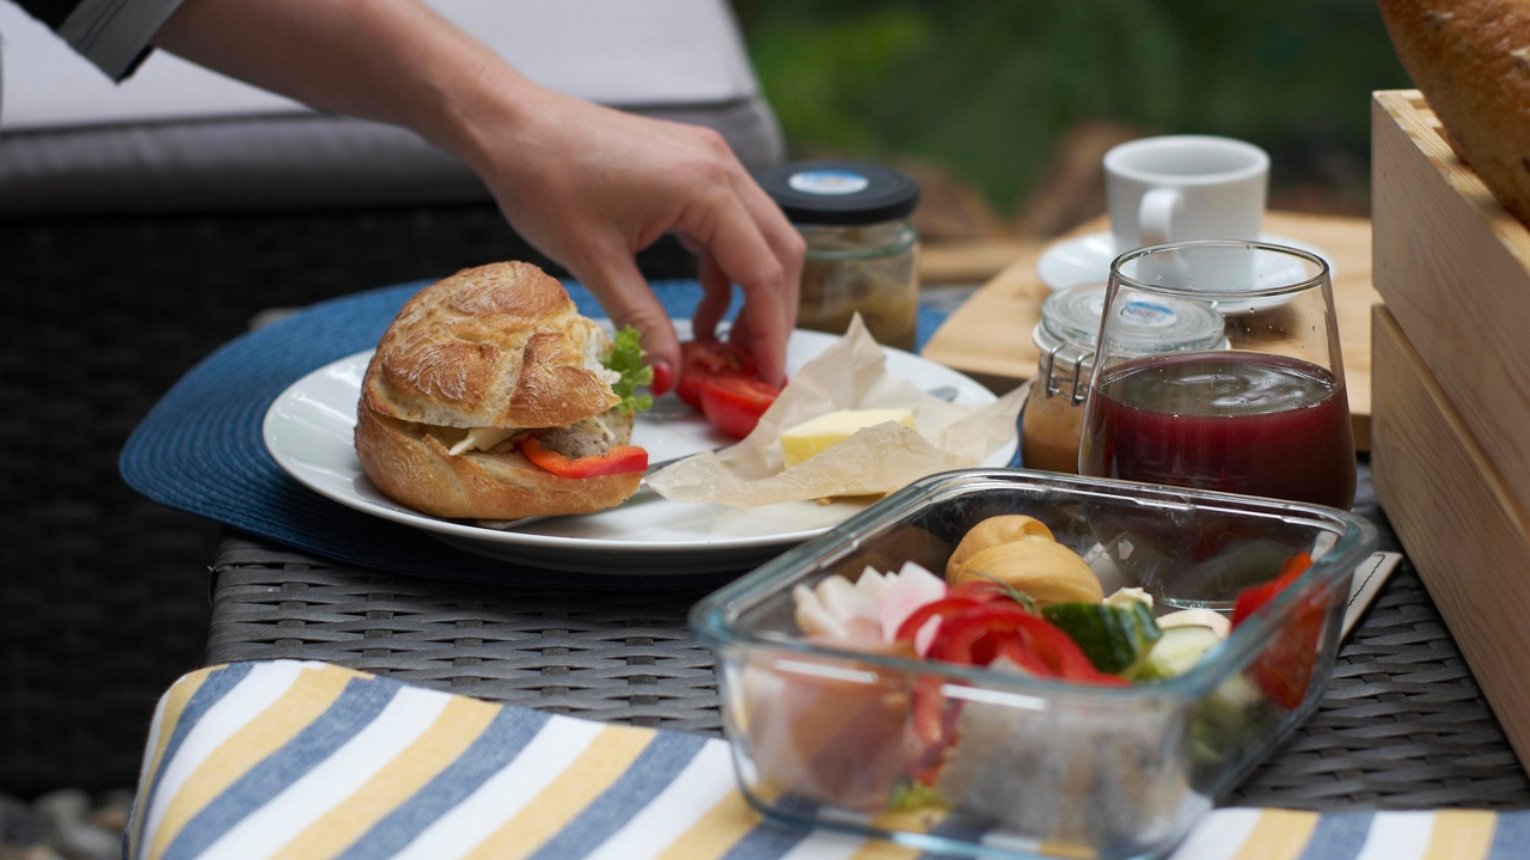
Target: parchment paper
x: 850, y: 374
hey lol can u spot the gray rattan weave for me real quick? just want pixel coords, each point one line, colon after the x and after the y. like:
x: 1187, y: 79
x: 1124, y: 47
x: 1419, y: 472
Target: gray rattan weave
x: 615, y: 656
x: 1403, y: 724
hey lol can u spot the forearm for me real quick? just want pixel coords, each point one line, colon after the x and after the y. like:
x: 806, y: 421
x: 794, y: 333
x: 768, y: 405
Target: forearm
x: 395, y: 61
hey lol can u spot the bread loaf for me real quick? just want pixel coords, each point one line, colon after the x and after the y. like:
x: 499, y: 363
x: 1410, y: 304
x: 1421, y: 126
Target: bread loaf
x: 1471, y: 60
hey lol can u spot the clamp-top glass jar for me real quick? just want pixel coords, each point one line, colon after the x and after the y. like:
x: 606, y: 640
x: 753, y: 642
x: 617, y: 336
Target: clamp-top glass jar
x: 1053, y: 416
x: 862, y: 252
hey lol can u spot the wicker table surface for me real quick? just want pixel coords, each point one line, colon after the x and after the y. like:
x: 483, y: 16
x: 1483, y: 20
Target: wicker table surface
x: 1403, y: 724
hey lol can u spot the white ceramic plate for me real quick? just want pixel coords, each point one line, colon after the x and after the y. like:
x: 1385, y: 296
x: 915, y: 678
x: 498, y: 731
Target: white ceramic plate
x: 1087, y: 259
x: 308, y: 431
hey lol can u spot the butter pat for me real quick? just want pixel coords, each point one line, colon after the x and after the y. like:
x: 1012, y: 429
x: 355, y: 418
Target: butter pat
x: 813, y: 437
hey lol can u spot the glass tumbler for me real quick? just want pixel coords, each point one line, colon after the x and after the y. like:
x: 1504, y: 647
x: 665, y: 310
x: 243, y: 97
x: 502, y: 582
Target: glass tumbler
x: 1265, y: 414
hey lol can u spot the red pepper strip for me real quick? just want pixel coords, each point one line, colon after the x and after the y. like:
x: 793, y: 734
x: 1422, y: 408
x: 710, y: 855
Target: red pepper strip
x: 620, y: 460
x: 943, y: 608
x: 1030, y: 641
x: 928, y: 705
x: 1284, y: 669
x: 1252, y: 598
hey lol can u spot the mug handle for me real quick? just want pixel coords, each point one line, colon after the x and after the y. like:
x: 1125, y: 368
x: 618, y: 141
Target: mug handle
x: 1155, y: 216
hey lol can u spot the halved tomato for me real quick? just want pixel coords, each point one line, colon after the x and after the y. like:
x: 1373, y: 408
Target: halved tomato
x: 735, y: 403
x: 701, y: 360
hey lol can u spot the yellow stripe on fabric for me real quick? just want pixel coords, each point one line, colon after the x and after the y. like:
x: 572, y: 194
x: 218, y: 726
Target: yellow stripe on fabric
x: 608, y: 756
x: 1279, y: 834
x: 728, y: 821
x: 176, y: 699
x: 302, y: 703
x: 455, y: 729
x: 882, y: 849
x: 1461, y: 834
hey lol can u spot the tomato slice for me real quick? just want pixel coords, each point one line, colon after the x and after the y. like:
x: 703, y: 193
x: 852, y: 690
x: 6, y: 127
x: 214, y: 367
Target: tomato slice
x: 701, y: 360
x: 620, y: 460
x: 735, y: 403
x: 1284, y: 669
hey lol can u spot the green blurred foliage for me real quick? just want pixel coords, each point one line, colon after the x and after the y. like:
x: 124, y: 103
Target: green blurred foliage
x: 987, y: 87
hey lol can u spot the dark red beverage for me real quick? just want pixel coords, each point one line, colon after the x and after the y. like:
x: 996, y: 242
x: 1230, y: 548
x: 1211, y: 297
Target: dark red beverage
x: 1240, y: 422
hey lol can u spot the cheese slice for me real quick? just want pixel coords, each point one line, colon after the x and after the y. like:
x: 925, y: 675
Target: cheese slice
x: 482, y: 439
x: 815, y: 436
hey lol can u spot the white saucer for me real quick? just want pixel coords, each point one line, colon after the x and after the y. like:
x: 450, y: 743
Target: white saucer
x: 1087, y: 259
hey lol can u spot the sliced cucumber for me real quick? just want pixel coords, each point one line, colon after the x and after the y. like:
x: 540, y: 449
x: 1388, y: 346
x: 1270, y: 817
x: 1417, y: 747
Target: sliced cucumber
x: 1175, y: 652
x: 1114, y: 636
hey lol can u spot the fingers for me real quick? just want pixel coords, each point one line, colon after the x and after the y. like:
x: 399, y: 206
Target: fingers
x: 784, y: 240
x: 613, y: 277
x: 716, y: 295
x: 738, y: 247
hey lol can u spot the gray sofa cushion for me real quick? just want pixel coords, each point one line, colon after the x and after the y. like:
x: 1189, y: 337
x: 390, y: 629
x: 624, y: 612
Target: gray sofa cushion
x: 175, y: 136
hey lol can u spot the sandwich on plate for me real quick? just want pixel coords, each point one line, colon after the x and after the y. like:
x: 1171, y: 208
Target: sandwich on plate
x: 491, y: 397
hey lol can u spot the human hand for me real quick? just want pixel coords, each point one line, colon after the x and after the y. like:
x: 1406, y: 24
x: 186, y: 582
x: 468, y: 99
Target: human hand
x: 590, y: 187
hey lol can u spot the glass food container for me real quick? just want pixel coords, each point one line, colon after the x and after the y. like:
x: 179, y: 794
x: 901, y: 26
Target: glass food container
x: 861, y: 248
x: 828, y: 737
x: 1053, y: 415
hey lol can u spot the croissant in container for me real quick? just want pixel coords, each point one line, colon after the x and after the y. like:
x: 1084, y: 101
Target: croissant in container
x: 1020, y: 552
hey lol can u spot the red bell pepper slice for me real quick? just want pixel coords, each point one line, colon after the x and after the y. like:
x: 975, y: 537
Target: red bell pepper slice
x: 620, y: 460
x: 1255, y: 596
x: 982, y: 634
x: 1284, y: 669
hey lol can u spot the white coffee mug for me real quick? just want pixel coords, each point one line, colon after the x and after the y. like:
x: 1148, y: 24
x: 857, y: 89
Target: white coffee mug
x: 1182, y: 187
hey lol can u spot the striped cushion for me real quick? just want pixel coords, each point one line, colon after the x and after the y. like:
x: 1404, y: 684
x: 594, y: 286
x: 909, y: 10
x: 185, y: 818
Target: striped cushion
x: 307, y: 760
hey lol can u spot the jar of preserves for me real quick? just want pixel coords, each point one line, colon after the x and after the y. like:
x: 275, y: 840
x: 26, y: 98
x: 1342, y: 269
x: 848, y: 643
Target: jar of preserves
x: 862, y: 251
x: 1053, y: 416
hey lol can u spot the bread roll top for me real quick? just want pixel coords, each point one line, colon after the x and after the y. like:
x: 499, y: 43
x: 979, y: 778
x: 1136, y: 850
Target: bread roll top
x: 500, y: 345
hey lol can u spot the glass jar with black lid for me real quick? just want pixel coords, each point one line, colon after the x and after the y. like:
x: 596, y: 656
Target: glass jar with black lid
x: 862, y: 251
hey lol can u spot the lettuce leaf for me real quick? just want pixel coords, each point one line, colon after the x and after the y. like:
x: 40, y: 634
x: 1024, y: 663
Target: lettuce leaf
x: 626, y: 358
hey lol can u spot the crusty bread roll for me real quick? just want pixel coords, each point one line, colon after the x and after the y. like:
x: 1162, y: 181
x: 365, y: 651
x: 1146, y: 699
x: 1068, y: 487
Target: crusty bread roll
x: 488, y: 352
x: 1469, y: 58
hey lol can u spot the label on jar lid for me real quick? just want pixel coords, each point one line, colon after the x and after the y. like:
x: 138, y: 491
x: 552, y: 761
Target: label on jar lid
x: 828, y: 182
x: 1070, y: 318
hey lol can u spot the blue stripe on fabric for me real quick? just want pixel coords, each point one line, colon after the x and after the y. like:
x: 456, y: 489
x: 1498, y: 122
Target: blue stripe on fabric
x: 504, y: 738
x: 1339, y: 836
x: 650, y: 773
x: 767, y: 841
x: 219, y: 682
x: 1511, y: 836
x: 958, y: 828
x: 358, y: 704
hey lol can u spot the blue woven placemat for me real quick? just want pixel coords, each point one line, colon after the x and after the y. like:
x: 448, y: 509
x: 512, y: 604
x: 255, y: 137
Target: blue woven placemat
x: 200, y: 448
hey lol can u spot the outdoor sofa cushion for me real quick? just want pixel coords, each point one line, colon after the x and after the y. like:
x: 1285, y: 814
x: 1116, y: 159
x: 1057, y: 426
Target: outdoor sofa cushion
x: 174, y: 136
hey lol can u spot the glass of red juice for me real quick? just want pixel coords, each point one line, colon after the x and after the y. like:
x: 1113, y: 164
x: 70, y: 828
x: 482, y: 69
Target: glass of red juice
x: 1263, y: 414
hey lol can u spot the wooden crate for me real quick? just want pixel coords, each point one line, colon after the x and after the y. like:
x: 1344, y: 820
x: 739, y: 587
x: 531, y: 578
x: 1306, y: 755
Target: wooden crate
x: 1454, y: 270
x: 1466, y: 531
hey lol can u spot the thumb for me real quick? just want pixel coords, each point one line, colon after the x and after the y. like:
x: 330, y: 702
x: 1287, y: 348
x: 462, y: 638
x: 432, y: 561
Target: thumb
x: 625, y: 296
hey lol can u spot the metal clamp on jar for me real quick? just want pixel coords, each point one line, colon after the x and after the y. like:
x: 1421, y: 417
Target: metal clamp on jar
x: 1053, y: 416
x: 861, y: 249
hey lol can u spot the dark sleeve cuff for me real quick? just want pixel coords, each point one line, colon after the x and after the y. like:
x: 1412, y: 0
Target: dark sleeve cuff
x: 115, y: 34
